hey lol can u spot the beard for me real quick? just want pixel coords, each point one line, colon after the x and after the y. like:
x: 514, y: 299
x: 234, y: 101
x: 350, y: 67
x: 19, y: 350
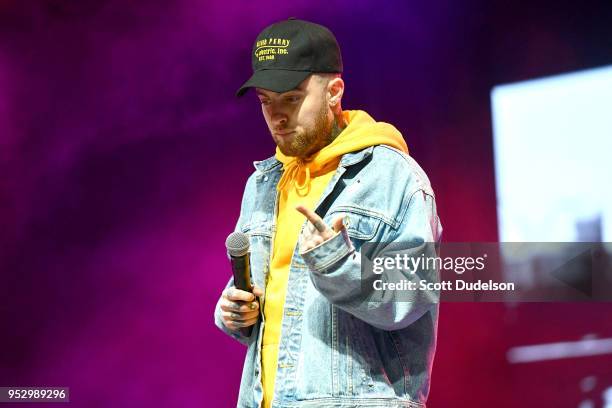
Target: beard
x: 309, y: 141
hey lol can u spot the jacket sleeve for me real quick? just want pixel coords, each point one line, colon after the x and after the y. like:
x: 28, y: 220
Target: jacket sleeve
x: 336, y: 268
x: 236, y: 334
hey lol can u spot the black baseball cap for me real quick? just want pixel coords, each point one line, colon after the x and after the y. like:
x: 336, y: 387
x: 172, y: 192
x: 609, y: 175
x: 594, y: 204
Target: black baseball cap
x: 286, y: 52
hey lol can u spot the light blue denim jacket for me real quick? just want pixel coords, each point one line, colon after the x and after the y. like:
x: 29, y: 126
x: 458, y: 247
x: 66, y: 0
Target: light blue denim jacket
x: 336, y: 348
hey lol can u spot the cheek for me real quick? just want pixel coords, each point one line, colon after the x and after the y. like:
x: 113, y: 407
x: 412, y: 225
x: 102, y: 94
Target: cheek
x: 267, y: 116
x: 307, y: 116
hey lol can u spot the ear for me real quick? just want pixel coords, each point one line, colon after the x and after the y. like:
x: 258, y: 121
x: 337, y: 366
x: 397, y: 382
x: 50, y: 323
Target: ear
x: 335, y: 90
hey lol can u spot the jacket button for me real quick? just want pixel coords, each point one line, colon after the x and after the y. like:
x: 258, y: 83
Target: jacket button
x: 265, y: 178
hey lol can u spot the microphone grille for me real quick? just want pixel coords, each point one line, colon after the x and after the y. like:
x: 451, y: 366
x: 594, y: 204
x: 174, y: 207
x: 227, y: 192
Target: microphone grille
x: 237, y: 244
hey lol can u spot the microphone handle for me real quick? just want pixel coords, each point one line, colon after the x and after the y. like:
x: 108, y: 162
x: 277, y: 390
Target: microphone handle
x: 241, y: 268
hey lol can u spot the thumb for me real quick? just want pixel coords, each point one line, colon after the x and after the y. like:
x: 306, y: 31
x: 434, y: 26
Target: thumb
x: 257, y: 291
x: 338, y: 224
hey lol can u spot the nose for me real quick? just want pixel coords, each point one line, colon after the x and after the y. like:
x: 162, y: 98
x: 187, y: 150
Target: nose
x: 279, y: 119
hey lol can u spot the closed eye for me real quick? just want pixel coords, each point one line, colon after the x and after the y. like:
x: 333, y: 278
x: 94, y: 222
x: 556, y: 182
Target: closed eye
x: 293, y: 98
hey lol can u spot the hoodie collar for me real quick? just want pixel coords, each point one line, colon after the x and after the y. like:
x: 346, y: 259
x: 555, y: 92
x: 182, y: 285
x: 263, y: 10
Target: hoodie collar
x: 347, y: 160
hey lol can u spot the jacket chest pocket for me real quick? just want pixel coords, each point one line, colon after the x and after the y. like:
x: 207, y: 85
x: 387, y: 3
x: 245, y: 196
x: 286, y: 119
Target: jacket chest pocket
x: 361, y: 224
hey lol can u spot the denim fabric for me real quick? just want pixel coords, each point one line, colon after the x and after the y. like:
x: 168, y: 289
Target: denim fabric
x: 336, y: 348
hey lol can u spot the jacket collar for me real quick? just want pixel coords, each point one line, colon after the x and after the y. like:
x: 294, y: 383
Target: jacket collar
x: 347, y: 160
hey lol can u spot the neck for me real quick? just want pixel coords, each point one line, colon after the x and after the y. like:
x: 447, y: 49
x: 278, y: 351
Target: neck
x: 338, y: 125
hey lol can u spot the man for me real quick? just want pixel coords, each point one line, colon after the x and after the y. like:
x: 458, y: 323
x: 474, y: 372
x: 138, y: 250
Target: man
x: 339, y: 181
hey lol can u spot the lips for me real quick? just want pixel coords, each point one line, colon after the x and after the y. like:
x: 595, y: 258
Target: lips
x: 284, y: 133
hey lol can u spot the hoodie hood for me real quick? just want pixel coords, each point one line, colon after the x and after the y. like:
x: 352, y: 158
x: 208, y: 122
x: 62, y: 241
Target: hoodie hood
x: 361, y: 131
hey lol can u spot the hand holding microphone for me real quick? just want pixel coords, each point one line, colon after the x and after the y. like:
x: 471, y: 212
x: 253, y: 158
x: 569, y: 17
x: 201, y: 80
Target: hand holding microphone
x: 239, y: 304
x: 240, y: 309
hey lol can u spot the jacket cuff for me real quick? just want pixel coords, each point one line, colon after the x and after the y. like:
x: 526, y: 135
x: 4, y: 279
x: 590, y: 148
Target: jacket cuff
x: 235, y: 334
x: 328, y: 253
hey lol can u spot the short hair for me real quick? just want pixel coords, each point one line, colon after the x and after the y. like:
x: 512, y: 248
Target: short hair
x: 325, y: 77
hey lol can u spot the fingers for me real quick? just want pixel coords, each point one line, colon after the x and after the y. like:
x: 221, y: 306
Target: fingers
x: 237, y: 294
x: 236, y: 300
x: 240, y: 317
x: 314, y: 219
x: 316, y: 231
x: 338, y: 224
x: 240, y: 307
x: 311, y: 242
x: 314, y: 241
x: 235, y: 325
x: 257, y: 291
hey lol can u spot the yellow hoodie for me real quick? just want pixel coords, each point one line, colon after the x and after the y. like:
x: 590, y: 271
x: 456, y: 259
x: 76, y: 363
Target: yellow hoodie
x: 303, y: 182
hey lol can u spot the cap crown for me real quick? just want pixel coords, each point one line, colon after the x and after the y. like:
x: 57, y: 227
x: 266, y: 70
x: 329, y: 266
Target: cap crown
x: 296, y: 45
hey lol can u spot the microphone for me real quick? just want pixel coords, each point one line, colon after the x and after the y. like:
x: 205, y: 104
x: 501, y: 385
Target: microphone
x: 237, y: 244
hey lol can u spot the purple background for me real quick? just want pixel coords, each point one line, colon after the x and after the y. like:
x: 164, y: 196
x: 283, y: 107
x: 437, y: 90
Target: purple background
x: 123, y: 154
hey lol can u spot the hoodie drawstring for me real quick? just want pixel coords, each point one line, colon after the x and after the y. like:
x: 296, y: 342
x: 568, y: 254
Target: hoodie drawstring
x: 293, y: 169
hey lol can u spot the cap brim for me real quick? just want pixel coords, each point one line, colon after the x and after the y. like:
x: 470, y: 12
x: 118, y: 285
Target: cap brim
x: 275, y: 80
